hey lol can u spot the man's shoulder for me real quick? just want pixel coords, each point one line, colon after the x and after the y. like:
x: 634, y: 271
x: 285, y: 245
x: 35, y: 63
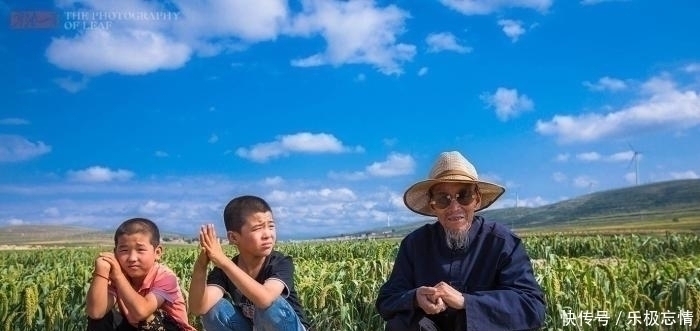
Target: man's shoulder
x: 421, y: 232
x: 497, y: 229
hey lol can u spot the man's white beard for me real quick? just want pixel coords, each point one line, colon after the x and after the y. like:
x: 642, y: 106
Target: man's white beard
x: 457, y: 239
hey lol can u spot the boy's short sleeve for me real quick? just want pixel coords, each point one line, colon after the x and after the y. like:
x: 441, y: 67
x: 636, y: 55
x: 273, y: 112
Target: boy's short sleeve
x: 283, y: 270
x: 165, y: 285
x: 217, y: 277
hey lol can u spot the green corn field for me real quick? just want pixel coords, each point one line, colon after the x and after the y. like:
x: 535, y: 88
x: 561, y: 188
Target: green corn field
x: 611, y: 282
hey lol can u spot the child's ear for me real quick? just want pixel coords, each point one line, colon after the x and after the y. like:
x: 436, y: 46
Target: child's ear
x: 159, y: 252
x: 232, y: 237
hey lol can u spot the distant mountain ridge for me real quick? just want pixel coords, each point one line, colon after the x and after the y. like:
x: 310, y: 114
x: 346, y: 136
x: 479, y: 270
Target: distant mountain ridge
x: 629, y: 203
x: 648, y: 199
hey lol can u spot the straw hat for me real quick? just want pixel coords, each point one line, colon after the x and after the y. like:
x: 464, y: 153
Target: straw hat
x: 449, y: 167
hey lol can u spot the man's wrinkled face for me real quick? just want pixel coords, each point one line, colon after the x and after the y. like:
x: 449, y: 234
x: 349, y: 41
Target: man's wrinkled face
x: 454, y: 205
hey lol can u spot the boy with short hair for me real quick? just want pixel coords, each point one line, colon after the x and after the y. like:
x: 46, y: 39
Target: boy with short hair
x: 146, y: 292
x: 259, y: 280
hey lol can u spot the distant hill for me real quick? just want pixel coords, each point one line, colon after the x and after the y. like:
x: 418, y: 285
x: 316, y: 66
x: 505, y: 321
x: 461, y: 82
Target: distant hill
x: 630, y: 203
x: 52, y: 234
x: 672, y: 205
x: 63, y: 235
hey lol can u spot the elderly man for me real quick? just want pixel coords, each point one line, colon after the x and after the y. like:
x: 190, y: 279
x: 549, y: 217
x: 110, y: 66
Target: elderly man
x: 461, y: 272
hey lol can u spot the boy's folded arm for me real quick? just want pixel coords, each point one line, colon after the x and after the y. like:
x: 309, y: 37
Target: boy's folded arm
x: 144, y: 306
x: 140, y: 307
x: 98, y: 302
x: 261, y: 295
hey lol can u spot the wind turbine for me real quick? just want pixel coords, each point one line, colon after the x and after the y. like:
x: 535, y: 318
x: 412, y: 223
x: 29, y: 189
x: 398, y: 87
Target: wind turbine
x: 635, y: 159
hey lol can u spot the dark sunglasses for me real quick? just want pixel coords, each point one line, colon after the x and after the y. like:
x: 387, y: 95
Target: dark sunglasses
x: 443, y: 200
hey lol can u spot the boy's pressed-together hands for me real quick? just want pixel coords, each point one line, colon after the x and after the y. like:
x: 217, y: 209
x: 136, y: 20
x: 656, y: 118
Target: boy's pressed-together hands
x: 211, y: 249
x: 107, y: 265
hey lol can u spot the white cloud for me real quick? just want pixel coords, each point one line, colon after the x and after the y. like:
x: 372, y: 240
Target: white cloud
x: 606, y: 84
x: 562, y: 157
x: 13, y: 121
x: 319, y: 195
x: 390, y: 141
x: 52, y: 212
x: 585, y: 182
x: 590, y: 156
x: 356, y: 32
x: 559, y: 177
x: 248, y: 20
x: 161, y: 154
x: 130, y: 52
x: 595, y: 2
x: 213, y: 138
x: 689, y: 174
x: 625, y: 156
x: 98, y: 174
x: 483, y: 7
x: 140, y: 46
x: 445, y: 41
x: 513, y: 29
x: 15, y: 221
x: 15, y: 148
x: 662, y: 106
x: 153, y: 207
x: 303, y: 142
x: 273, y: 181
x: 71, y: 85
x: 357, y: 175
x: 395, y: 165
x: 423, y: 71
x: 693, y: 67
x: 507, y: 103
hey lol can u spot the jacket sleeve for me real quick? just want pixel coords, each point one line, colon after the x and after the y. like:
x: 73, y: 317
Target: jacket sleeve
x: 516, y: 302
x: 397, y: 296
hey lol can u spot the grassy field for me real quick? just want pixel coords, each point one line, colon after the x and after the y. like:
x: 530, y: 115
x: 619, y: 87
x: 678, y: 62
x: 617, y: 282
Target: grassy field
x: 585, y: 278
x: 680, y: 222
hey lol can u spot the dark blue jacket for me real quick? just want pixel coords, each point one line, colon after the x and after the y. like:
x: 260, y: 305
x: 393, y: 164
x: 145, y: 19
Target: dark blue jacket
x: 494, y: 273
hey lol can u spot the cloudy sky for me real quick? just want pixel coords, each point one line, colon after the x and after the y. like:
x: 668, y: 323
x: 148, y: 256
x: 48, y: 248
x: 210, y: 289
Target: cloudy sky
x: 330, y: 109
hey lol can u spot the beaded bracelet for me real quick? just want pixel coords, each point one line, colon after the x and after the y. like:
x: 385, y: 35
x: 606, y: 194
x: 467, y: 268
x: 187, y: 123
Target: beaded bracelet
x: 98, y: 275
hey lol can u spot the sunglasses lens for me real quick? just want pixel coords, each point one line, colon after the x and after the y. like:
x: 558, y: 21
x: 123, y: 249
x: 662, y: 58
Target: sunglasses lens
x: 443, y: 200
x: 465, y: 197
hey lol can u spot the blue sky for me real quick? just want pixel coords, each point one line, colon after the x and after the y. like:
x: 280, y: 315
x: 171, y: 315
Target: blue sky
x: 331, y: 109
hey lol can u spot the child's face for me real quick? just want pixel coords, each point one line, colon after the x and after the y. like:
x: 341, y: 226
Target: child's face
x: 136, y: 254
x: 257, y: 235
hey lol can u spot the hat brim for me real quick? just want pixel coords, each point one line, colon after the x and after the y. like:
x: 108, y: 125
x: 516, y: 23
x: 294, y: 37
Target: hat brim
x: 416, y: 197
